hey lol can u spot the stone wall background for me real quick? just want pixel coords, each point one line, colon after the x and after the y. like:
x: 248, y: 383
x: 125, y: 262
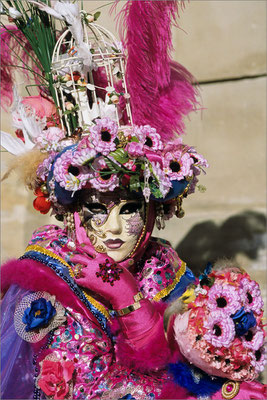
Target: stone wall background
x: 223, y: 43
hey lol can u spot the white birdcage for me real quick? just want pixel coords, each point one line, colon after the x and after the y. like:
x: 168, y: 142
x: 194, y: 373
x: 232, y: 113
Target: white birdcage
x: 80, y: 96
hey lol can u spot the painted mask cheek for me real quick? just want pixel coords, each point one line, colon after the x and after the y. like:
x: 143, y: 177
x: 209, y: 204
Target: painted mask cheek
x: 134, y: 224
x: 99, y: 219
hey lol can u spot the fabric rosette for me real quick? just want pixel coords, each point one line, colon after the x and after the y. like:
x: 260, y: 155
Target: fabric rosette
x: 37, y: 314
x: 56, y: 378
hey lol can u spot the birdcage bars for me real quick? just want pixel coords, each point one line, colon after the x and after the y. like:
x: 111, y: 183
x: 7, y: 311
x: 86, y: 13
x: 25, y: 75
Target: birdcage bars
x: 102, y: 45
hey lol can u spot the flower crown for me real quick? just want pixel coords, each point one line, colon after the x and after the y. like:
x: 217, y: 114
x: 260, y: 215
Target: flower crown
x: 111, y: 157
x: 225, y: 327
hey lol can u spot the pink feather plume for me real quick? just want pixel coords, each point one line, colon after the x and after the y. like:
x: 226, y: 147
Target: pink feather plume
x: 14, y: 45
x: 162, y: 91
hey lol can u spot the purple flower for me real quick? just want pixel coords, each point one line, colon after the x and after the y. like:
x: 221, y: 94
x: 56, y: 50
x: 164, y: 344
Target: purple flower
x: 251, y: 295
x: 220, y: 329
x: 223, y: 297
x: 103, y: 134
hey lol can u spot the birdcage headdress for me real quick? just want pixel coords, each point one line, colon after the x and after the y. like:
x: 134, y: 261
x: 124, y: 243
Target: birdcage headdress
x: 111, y: 111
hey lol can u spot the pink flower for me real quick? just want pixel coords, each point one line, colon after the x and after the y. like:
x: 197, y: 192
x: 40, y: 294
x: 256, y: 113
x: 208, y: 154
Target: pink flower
x: 198, y: 159
x: 225, y: 298
x: 69, y: 176
x: 149, y: 137
x: 42, y: 106
x: 55, y: 378
x: 103, y: 135
x: 253, y: 339
x: 163, y: 181
x: 258, y: 360
x: 102, y: 179
x: 251, y: 295
x: 135, y: 149
x: 177, y: 165
x: 44, y: 168
x: 220, y: 329
x: 50, y: 137
x: 83, y: 156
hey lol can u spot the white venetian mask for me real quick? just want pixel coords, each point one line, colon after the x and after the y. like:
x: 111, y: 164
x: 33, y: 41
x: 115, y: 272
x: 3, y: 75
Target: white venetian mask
x: 114, y: 228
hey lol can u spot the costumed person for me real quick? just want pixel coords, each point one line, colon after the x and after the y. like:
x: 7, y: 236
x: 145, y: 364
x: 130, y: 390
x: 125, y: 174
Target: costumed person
x: 83, y: 307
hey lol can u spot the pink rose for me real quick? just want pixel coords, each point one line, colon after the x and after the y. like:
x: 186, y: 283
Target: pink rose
x: 54, y: 134
x: 43, y: 108
x: 55, y: 377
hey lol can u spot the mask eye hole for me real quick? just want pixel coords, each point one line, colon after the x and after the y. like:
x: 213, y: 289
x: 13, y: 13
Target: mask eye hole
x: 96, y: 208
x: 131, y: 207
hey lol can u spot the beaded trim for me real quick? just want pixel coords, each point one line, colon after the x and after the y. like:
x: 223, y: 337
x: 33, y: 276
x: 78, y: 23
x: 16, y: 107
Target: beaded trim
x: 86, y: 298
x: 141, y: 235
x: 168, y: 289
x: 49, y: 253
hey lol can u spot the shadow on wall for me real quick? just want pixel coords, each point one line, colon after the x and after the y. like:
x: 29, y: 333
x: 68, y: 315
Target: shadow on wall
x: 206, y: 242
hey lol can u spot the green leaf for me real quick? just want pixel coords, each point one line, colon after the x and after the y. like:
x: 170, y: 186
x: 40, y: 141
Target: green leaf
x: 110, y: 165
x: 115, y: 49
x: 134, y: 139
x: 120, y: 155
x: 97, y: 15
x: 155, y: 191
x: 134, y: 183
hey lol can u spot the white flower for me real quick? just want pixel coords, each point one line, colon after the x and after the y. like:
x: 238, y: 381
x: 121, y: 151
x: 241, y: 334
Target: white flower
x: 146, y: 194
x: 90, y: 18
x: 115, y: 99
x: 14, y: 13
x: 69, y: 106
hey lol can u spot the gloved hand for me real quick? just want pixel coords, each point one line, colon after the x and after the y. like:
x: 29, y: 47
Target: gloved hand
x: 115, y: 283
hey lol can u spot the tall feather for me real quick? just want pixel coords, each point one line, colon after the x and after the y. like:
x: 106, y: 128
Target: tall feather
x: 15, y: 52
x: 162, y: 91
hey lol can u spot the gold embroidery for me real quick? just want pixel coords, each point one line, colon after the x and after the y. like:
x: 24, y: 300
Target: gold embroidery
x: 230, y: 389
x: 169, y: 288
x: 49, y: 253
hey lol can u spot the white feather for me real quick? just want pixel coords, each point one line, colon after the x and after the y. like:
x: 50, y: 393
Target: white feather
x: 12, y: 144
x: 69, y: 11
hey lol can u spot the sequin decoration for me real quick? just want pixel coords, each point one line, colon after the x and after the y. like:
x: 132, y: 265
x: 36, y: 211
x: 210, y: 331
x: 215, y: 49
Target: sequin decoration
x: 84, y: 344
x: 161, y: 272
x: 109, y: 272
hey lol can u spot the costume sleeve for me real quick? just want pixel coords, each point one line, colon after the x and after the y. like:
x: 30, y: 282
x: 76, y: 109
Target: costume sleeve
x: 163, y: 278
x: 17, y: 369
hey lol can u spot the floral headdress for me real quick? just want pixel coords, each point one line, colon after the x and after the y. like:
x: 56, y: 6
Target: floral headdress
x: 98, y: 121
x: 224, y: 329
